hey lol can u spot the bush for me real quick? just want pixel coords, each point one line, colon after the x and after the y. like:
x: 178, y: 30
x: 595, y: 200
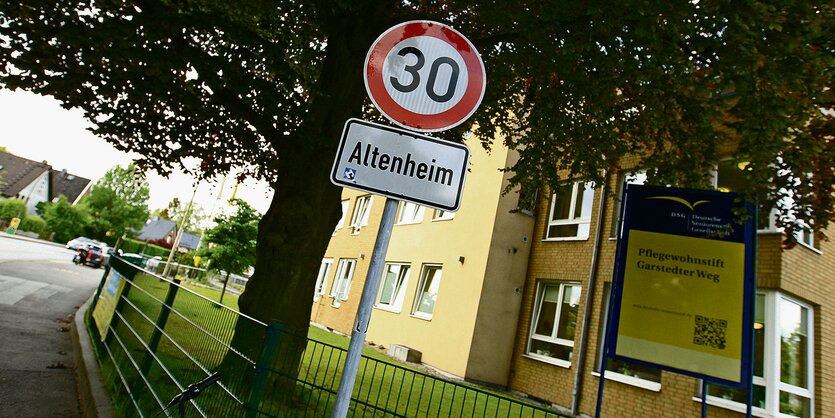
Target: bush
x: 11, y: 208
x: 34, y: 224
x: 129, y: 245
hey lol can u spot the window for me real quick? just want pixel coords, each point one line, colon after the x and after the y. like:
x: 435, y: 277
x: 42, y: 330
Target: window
x: 430, y: 282
x: 362, y: 208
x: 442, y: 215
x: 322, y: 277
x: 570, y: 214
x: 622, y: 371
x: 341, y: 222
x: 392, y: 286
x: 554, y: 322
x: 410, y: 213
x: 730, y: 177
x: 806, y: 236
x: 783, y: 360
x: 342, y: 280
x: 624, y: 178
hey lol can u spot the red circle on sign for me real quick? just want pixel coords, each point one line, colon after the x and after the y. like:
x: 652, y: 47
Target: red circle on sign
x: 394, y: 111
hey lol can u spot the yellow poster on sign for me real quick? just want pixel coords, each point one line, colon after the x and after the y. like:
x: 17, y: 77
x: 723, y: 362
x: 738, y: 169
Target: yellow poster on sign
x: 106, y: 303
x: 692, y: 289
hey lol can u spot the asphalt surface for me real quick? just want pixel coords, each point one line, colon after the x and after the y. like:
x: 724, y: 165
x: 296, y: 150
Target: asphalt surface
x: 40, y: 291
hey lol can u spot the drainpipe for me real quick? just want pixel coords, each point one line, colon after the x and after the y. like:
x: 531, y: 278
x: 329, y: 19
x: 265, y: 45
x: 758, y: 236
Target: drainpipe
x: 584, y: 332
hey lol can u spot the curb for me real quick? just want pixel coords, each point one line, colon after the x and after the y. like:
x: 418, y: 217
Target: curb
x: 94, y: 401
x: 25, y: 238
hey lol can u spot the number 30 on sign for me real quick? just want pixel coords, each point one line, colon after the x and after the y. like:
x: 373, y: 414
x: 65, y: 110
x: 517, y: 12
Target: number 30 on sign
x: 425, y: 76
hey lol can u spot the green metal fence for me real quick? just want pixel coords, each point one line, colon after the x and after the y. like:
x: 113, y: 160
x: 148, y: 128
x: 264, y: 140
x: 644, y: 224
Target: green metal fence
x: 163, y: 337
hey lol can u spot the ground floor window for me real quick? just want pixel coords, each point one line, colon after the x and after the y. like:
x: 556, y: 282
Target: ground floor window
x: 322, y: 277
x: 427, y: 291
x: 392, y: 286
x: 783, y: 360
x: 342, y: 280
x: 554, y: 322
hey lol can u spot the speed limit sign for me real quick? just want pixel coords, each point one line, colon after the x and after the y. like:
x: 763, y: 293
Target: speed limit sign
x: 424, y: 76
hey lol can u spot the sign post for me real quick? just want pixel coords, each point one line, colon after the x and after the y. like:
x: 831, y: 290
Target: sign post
x: 427, y: 77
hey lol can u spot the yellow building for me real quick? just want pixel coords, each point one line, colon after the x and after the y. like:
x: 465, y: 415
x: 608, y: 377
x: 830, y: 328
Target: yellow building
x: 572, y: 257
x: 452, y: 283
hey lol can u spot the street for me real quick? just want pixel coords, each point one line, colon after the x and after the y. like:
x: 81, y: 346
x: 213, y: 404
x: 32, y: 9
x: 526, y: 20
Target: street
x: 40, y: 290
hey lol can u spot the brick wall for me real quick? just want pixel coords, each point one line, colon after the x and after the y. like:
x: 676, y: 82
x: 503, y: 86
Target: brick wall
x: 801, y: 272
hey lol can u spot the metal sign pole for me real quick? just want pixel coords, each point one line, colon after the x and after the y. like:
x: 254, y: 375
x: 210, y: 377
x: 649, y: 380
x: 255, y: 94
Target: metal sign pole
x: 369, y: 292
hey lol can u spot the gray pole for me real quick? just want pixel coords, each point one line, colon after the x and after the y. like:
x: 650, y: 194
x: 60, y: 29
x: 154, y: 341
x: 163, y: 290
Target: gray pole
x: 369, y: 292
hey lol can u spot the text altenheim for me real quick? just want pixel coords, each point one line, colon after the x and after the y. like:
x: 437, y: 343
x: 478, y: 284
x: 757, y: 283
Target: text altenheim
x: 404, y: 166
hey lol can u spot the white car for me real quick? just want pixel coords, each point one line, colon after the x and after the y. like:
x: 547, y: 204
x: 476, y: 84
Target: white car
x: 76, y: 243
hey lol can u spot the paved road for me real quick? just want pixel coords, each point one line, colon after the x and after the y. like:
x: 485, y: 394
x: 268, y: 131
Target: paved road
x: 40, y: 290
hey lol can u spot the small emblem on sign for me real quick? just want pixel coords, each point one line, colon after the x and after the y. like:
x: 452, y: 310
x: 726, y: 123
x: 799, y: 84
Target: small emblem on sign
x: 350, y: 174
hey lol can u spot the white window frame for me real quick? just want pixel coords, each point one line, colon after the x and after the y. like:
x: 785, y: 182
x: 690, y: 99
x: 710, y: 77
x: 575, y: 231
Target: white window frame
x: 551, y: 339
x: 395, y: 303
x: 806, y: 237
x: 322, y: 277
x: 436, y: 284
x: 362, y: 209
x: 442, y: 215
x: 410, y: 213
x: 583, y: 222
x: 341, y: 223
x: 342, y: 280
x: 772, y: 358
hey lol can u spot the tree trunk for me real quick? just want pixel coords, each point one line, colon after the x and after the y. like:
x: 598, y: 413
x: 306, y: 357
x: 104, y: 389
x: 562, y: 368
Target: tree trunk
x: 223, y: 291
x: 294, y: 233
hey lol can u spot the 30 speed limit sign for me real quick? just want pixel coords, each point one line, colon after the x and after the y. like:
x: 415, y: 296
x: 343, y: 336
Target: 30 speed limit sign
x: 424, y: 76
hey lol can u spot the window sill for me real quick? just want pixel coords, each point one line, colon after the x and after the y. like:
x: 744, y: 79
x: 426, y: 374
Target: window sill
x: 631, y: 381
x: 442, y: 219
x: 810, y: 248
x: 733, y: 406
x: 422, y: 317
x: 565, y: 239
x: 408, y: 223
x: 388, y: 309
x: 550, y: 360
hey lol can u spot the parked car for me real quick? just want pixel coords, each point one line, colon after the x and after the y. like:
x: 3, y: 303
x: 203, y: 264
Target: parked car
x: 77, y: 243
x: 90, y: 255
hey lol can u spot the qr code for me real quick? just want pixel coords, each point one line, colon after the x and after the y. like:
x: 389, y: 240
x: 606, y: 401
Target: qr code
x: 710, y: 332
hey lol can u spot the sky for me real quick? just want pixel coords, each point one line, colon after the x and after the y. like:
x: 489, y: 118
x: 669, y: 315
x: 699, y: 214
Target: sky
x: 38, y: 128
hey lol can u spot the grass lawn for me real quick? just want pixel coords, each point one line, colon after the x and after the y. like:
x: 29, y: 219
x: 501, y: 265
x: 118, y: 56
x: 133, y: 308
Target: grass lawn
x: 229, y: 299
x: 195, y: 337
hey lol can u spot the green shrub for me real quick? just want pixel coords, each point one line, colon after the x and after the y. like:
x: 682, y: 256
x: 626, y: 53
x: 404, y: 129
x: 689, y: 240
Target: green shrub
x: 129, y: 245
x: 11, y: 208
x: 34, y: 224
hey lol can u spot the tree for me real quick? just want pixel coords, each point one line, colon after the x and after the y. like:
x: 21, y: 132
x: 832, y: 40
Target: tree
x: 175, y: 211
x: 231, y: 241
x: 116, y: 204
x: 65, y: 220
x: 574, y: 86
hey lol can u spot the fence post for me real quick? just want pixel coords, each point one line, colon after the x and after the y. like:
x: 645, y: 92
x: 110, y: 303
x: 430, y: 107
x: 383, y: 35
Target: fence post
x: 265, y: 359
x: 162, y: 319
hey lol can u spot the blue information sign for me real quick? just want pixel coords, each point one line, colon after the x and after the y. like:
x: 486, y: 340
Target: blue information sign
x: 684, y: 284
